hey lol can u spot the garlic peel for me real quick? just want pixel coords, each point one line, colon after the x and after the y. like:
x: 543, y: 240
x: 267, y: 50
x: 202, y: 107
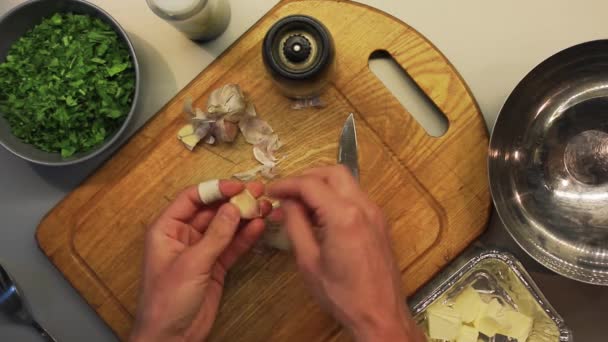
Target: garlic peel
x: 227, y: 113
x: 250, y: 174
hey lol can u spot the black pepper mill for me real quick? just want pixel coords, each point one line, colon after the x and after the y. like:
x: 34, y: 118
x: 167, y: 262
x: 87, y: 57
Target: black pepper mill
x: 298, y: 52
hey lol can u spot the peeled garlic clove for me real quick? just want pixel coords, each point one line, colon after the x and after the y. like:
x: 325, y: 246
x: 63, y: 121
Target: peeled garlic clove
x: 185, y: 131
x: 190, y: 141
x: 188, y: 137
x: 247, y: 204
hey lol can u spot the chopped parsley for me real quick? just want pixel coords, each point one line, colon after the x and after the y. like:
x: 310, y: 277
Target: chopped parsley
x: 67, y: 84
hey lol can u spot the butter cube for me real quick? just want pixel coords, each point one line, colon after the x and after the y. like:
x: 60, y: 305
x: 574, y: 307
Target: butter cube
x: 469, y: 304
x: 519, y: 327
x: 467, y: 334
x: 491, y: 319
x: 444, y: 322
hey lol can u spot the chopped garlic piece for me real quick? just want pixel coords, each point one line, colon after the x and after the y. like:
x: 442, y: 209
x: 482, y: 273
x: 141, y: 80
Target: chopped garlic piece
x: 444, y: 322
x: 468, y: 303
x: 209, y: 191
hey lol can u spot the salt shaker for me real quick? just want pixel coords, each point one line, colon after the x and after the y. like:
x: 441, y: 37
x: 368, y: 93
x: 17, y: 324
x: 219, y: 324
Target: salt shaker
x: 197, y: 19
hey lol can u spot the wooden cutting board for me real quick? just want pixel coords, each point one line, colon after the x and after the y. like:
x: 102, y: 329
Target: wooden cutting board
x: 433, y: 190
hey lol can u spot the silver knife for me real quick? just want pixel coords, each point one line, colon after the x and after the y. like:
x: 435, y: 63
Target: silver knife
x: 347, y: 148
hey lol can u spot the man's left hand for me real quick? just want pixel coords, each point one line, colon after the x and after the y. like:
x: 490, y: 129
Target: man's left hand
x: 188, y: 251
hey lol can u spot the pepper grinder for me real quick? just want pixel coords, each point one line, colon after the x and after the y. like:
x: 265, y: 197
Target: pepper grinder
x: 298, y: 52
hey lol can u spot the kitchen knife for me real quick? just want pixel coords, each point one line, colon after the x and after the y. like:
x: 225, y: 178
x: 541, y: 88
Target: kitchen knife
x: 347, y: 148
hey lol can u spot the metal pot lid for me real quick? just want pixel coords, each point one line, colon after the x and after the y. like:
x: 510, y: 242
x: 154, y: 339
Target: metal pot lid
x: 548, y: 163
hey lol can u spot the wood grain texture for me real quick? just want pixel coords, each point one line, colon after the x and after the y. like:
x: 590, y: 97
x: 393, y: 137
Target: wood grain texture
x: 433, y: 190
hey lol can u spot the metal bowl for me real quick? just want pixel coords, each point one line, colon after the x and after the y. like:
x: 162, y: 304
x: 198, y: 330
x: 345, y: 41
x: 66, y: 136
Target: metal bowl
x: 548, y: 163
x: 16, y: 23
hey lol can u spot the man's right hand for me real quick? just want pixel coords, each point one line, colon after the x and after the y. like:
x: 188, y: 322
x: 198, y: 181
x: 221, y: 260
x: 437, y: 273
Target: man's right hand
x: 342, y: 246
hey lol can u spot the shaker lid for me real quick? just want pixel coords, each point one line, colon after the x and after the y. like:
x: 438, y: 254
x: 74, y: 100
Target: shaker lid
x: 177, y: 8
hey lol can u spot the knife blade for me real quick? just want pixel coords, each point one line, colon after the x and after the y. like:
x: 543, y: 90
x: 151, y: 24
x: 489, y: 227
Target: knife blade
x: 347, y: 148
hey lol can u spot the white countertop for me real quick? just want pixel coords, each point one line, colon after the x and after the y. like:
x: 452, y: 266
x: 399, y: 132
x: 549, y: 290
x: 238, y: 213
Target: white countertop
x: 492, y: 44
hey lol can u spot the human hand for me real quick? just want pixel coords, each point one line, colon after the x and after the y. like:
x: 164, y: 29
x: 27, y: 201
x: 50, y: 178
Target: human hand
x: 188, y: 251
x: 341, y: 243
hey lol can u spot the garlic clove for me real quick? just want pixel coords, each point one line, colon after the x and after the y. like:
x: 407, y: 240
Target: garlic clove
x: 185, y: 131
x: 225, y: 131
x: 247, y: 204
x: 190, y: 141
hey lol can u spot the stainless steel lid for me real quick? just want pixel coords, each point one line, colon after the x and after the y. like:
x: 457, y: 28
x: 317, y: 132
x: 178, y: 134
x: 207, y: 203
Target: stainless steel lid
x: 548, y: 163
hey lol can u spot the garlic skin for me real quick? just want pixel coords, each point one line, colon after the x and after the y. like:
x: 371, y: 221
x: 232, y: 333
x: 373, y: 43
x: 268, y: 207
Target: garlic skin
x: 247, y: 205
x: 228, y: 113
x: 227, y: 100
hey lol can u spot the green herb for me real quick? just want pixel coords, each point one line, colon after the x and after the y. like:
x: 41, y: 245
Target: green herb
x: 67, y: 84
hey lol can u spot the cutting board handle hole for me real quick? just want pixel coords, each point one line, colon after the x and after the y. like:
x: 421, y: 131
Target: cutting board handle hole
x: 408, y: 93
